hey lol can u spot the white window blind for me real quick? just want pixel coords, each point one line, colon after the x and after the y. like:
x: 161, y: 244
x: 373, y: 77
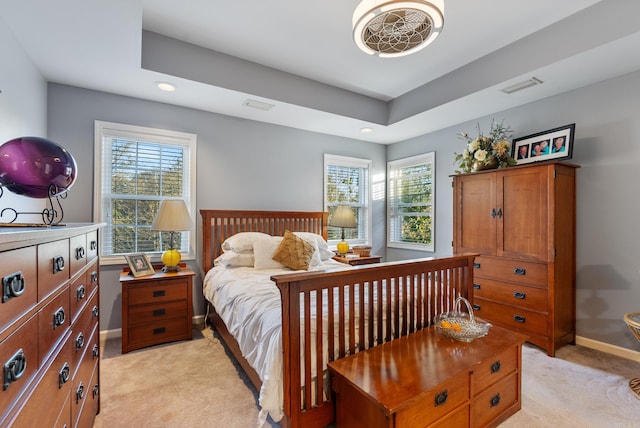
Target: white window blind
x: 347, y: 182
x: 140, y: 167
x: 411, y: 209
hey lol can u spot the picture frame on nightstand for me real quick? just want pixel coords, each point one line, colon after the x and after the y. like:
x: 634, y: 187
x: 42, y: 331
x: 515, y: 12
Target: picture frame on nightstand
x: 139, y: 265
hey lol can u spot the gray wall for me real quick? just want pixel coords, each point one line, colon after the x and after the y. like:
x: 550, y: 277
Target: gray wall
x: 607, y: 146
x: 241, y: 164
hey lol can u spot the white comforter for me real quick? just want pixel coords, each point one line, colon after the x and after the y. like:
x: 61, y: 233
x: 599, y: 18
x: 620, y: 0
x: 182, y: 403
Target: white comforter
x: 249, y: 303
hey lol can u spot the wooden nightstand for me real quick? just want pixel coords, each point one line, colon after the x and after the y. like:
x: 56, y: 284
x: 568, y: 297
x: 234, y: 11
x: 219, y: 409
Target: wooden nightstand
x: 157, y: 308
x: 356, y: 261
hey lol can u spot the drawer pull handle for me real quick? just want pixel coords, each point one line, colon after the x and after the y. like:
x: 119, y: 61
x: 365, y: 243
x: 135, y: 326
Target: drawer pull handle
x: 96, y: 351
x: 159, y: 312
x: 14, y: 368
x: 93, y: 245
x: 519, y: 318
x: 495, y: 367
x: 441, y: 398
x: 80, y: 293
x: 159, y: 330
x: 476, y: 265
x: 94, y: 277
x: 476, y: 286
x: 79, y: 341
x: 80, y: 253
x: 519, y: 295
x: 63, y: 375
x: 79, y: 393
x: 96, y: 390
x: 476, y: 307
x: 58, y: 264
x: 58, y: 318
x: 95, y: 312
x: 519, y: 271
x: 12, y: 286
x: 159, y: 293
x: 495, y: 400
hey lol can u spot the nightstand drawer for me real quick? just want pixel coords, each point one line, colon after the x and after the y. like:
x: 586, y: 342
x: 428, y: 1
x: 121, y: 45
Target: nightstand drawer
x: 512, y: 294
x: 164, y: 291
x: 141, y: 314
x: 159, y: 332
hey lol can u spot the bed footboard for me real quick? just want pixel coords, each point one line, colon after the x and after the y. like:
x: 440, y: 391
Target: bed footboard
x: 328, y: 315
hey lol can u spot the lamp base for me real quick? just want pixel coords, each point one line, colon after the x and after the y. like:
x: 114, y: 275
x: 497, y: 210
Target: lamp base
x: 342, y: 247
x: 171, y: 269
x: 171, y: 259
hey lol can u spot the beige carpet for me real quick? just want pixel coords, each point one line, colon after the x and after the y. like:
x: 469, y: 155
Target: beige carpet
x: 196, y: 384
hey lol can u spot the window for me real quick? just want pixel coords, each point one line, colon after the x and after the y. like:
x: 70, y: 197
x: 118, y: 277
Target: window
x: 411, y: 184
x: 136, y: 168
x: 346, y: 182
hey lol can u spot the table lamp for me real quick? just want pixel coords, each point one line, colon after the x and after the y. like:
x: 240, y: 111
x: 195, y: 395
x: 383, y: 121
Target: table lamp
x: 343, y: 217
x: 172, y: 217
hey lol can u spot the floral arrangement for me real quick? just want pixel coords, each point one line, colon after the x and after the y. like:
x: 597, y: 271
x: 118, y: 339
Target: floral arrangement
x: 486, y: 151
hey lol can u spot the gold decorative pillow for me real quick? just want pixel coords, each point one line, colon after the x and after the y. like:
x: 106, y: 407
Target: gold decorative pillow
x: 294, y: 252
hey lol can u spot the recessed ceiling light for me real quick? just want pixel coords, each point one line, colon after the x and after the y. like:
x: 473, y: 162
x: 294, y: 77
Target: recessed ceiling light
x: 366, y: 129
x: 258, y: 104
x: 165, y: 86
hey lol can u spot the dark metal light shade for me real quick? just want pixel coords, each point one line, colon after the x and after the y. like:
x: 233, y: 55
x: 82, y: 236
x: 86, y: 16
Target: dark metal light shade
x: 36, y: 167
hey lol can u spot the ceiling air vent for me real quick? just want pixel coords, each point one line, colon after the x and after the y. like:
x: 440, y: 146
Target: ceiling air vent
x: 522, y: 85
x: 258, y: 104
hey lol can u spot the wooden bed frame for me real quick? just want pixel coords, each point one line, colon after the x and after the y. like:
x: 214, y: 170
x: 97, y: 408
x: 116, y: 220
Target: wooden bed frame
x: 388, y: 300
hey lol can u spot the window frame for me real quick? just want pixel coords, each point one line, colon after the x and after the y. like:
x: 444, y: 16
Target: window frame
x: 392, y: 184
x: 351, y: 162
x: 104, y: 129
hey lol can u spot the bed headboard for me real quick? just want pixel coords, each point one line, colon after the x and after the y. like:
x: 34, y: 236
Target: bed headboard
x: 218, y: 225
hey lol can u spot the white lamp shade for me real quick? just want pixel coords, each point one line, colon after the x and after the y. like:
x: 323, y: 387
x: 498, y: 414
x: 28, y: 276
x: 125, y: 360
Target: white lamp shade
x: 343, y: 217
x: 172, y: 216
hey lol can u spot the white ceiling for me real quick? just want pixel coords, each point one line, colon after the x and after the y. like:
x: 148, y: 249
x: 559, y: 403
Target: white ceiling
x: 485, y: 46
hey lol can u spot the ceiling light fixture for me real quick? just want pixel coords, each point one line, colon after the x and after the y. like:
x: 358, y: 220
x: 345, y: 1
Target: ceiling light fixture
x: 393, y: 28
x: 366, y: 130
x: 165, y: 86
x: 522, y: 85
x: 258, y: 104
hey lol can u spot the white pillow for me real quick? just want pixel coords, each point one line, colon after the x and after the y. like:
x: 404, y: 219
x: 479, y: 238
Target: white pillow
x: 323, y: 251
x: 233, y: 259
x: 242, y: 242
x: 263, y: 251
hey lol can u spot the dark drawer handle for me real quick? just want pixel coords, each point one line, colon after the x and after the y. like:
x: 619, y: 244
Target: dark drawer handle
x: 79, y: 393
x: 159, y: 312
x: 94, y: 277
x: 93, y: 245
x: 80, y: 253
x: 476, y: 307
x: 476, y: 265
x: 495, y: 400
x: 58, y: 264
x: 14, y: 368
x: 96, y: 390
x: 519, y: 318
x: 80, y: 293
x: 79, y: 341
x: 95, y: 312
x: 58, y: 318
x: 159, y: 293
x: 63, y: 375
x: 160, y: 330
x: 96, y: 351
x: 519, y: 271
x: 441, y: 398
x: 476, y: 286
x: 495, y: 367
x: 519, y: 295
x: 12, y: 286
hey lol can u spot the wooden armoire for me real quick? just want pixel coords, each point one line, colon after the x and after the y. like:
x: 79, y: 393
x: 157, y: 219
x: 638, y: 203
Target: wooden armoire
x: 522, y: 223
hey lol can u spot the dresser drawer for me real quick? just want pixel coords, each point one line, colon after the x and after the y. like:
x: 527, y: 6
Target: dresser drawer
x: 53, y: 322
x: 495, y: 400
x: 435, y: 403
x: 491, y: 371
x: 159, y: 332
x: 19, y: 284
x: 523, y: 296
x: 19, y: 357
x: 82, y: 387
x: 79, y: 293
x: 77, y: 253
x: 53, y: 266
x: 512, y: 270
x: 81, y: 331
x: 160, y: 312
x: 158, y: 292
x: 514, y: 318
x: 89, y: 410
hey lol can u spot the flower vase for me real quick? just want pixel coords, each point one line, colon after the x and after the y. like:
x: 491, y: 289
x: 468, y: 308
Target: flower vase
x: 491, y: 163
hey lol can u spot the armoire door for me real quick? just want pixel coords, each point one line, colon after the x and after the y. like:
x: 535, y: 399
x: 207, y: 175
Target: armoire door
x: 475, y: 214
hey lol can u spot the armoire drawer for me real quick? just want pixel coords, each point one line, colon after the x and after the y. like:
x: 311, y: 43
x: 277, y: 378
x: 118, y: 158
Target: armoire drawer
x: 519, y: 271
x: 523, y: 296
x: 512, y: 317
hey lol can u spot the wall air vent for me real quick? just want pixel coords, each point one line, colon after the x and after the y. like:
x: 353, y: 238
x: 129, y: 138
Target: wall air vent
x: 258, y: 104
x: 522, y: 85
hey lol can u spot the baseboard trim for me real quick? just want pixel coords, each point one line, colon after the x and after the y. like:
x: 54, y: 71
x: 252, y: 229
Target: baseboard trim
x: 197, y: 321
x: 608, y: 348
